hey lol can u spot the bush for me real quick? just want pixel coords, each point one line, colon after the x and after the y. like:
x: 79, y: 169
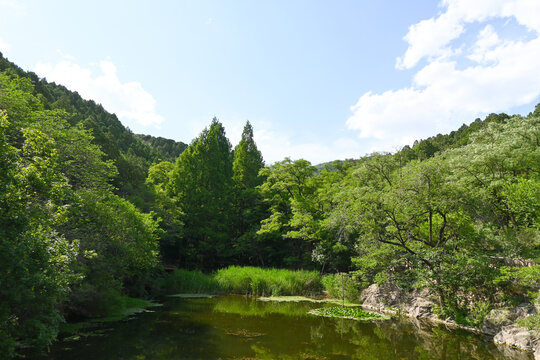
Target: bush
x: 352, y: 287
x: 531, y: 322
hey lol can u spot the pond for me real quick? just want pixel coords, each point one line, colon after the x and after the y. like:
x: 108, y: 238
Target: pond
x: 238, y: 327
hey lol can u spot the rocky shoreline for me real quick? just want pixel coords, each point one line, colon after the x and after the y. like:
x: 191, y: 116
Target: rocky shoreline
x: 500, y: 324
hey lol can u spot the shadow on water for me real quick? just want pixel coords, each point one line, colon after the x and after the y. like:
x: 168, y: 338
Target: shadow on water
x: 237, y: 327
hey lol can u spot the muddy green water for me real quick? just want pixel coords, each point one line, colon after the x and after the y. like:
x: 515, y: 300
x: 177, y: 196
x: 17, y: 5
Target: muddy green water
x: 236, y: 327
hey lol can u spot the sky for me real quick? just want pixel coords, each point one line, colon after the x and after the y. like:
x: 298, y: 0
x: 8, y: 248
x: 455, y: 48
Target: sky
x: 318, y: 80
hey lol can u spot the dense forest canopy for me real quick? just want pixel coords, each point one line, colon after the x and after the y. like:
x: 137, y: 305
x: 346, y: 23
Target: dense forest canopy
x: 89, y: 211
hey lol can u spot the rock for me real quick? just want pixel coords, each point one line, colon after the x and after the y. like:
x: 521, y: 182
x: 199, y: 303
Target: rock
x: 516, y: 336
x: 495, y: 320
x: 498, y: 318
x: 421, y: 308
x: 500, y: 323
x: 389, y: 297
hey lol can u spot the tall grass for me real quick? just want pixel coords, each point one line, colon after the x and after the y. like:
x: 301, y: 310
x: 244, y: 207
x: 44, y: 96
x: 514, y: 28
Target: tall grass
x: 265, y: 282
x: 186, y: 281
x: 243, y: 280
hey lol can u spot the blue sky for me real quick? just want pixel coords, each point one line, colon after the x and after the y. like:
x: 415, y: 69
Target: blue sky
x: 319, y: 80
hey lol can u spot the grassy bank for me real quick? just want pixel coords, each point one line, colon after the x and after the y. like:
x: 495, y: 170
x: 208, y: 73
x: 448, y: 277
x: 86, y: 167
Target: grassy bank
x: 243, y: 280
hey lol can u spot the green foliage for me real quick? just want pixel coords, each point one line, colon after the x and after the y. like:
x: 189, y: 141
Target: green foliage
x: 35, y: 260
x: 276, y: 282
x: 186, y: 281
x: 478, y: 312
x: 352, y: 286
x: 248, y: 208
x: 159, y: 176
x: 248, y: 161
x: 523, y: 200
x: 201, y: 183
x: 166, y: 149
x: 531, y: 322
x: 242, y: 280
x: 446, y: 213
x: 355, y: 313
x: 289, y: 189
x: 123, y: 240
x: 56, y: 196
x: 520, y: 282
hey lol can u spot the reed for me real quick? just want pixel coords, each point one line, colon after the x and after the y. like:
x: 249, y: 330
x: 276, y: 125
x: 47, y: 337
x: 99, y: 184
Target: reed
x: 245, y: 280
x: 264, y: 282
x: 188, y: 281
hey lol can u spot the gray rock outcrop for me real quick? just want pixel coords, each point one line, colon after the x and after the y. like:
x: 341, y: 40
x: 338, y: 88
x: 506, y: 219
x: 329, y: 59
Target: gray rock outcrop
x: 390, y: 298
x: 501, y: 324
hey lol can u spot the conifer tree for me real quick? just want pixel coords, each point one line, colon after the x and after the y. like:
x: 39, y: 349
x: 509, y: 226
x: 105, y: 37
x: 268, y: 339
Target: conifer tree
x: 202, y: 185
x: 248, y: 161
x: 248, y: 206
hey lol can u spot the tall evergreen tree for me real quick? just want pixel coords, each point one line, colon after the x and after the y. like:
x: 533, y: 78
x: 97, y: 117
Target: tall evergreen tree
x: 249, y: 209
x: 202, y: 184
x: 248, y: 161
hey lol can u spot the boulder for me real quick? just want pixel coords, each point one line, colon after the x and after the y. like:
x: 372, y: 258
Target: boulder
x: 387, y: 297
x: 516, y: 336
x: 495, y: 320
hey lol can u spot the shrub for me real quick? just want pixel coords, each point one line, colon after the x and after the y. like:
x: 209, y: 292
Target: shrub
x: 351, y: 287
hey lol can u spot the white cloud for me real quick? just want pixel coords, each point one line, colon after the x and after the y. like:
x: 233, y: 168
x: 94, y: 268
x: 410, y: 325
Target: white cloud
x: 458, y: 82
x: 13, y: 7
x: 276, y: 145
x: 429, y: 38
x: 65, y: 56
x: 131, y: 103
x: 487, y: 40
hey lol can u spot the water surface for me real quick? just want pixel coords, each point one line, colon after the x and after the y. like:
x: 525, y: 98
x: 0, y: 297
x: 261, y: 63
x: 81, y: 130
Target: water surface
x: 237, y: 327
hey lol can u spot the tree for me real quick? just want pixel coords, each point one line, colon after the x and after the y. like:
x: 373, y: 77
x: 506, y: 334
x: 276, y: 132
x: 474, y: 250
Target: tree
x: 248, y: 161
x: 289, y: 186
x: 119, y: 249
x: 35, y: 260
x: 202, y: 184
x: 159, y: 179
x: 248, y: 207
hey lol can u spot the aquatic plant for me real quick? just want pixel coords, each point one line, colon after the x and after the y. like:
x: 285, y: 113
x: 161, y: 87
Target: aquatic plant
x: 355, y: 313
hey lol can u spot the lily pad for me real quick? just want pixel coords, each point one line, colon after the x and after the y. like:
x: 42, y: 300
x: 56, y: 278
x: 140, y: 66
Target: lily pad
x: 354, y: 313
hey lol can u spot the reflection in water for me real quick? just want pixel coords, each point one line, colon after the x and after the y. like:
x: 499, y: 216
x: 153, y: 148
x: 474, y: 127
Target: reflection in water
x: 237, y: 327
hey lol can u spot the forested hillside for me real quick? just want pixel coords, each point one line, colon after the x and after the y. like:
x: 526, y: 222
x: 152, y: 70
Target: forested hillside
x: 131, y: 156
x: 90, y: 212
x: 166, y: 149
